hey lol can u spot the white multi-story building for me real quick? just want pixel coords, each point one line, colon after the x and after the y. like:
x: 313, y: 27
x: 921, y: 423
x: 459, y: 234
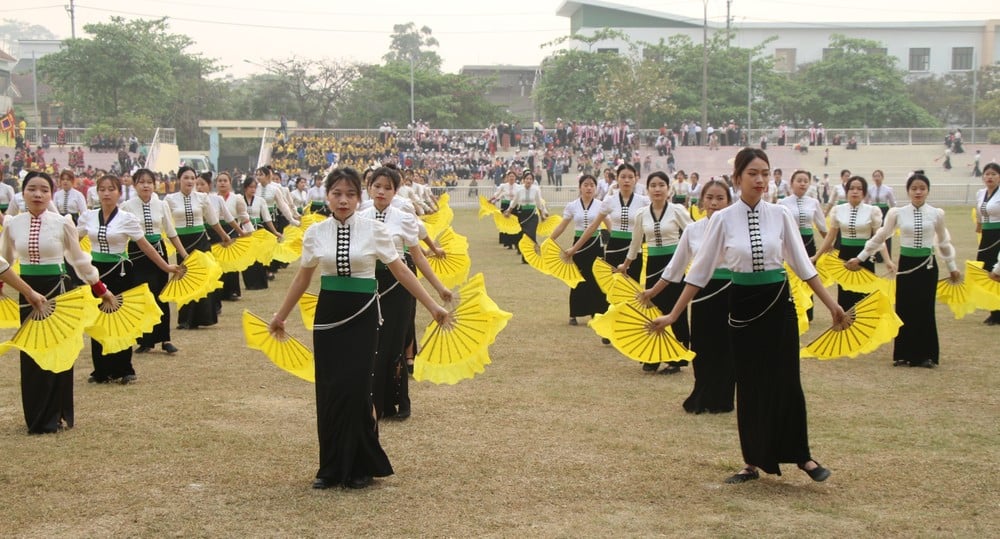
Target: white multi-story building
x: 929, y: 47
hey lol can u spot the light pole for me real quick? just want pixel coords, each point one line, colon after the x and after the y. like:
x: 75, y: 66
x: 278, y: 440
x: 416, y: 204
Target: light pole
x: 704, y: 74
x: 412, y: 119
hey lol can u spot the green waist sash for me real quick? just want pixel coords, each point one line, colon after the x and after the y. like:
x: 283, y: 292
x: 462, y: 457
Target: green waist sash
x: 579, y: 233
x: 526, y: 207
x: 185, y: 230
x: 42, y: 269
x: 882, y: 205
x: 621, y: 234
x: 853, y: 242
x: 991, y: 226
x: 759, y: 277
x: 806, y: 231
x: 256, y: 221
x: 315, y: 204
x: 108, y: 258
x: 662, y: 250
x: 916, y: 252
x: 722, y: 273
x: 153, y: 238
x: 337, y: 283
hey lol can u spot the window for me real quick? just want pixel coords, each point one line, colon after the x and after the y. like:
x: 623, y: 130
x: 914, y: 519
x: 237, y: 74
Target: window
x: 784, y: 60
x: 961, y: 58
x: 609, y: 50
x: 920, y: 59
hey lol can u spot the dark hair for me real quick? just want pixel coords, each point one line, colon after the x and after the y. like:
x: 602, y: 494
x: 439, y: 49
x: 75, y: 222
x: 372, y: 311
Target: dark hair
x: 658, y: 174
x: 527, y: 173
x: 864, y: 184
x: 586, y: 177
x: 625, y: 166
x: 720, y: 185
x: 347, y: 174
x: 141, y: 172
x: 266, y: 169
x: 992, y: 166
x: 745, y: 157
x: 115, y: 180
x: 389, y: 171
x: 509, y: 172
x: 776, y: 171
x: 694, y: 175
x: 845, y: 171
x: 182, y: 170
x: 248, y: 181
x: 917, y: 175
x: 207, y: 176
x: 38, y: 174
x: 223, y: 173
x: 800, y: 171
x: 879, y: 171
x: 66, y: 172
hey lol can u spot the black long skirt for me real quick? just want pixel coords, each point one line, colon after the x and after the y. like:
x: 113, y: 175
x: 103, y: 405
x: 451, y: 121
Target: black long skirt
x: 615, y: 252
x: 809, y: 241
x: 507, y: 240
x: 47, y: 397
x: 529, y: 223
x: 916, y: 293
x: 216, y: 295
x: 845, y: 298
x: 587, y: 299
x: 255, y: 277
x: 109, y: 367
x: 714, y: 370
x: 201, y: 312
x: 345, y: 357
x: 770, y: 404
x: 989, y: 246
x: 666, y: 299
x: 146, y: 271
x: 279, y: 222
x: 390, y: 384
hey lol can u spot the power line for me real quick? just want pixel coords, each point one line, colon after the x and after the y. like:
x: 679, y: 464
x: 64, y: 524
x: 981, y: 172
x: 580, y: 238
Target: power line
x: 338, y: 13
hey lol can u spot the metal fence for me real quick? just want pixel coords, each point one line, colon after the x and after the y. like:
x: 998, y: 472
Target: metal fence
x: 76, y: 136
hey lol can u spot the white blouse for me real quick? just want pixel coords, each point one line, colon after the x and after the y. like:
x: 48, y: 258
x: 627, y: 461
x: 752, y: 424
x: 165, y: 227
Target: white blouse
x: 880, y: 194
x: 402, y: 226
x: 695, y: 191
x: 221, y: 209
x: 806, y: 211
x: 317, y: 194
x: 689, y: 244
x: 202, y: 211
x: 931, y: 224
x: 71, y: 201
x: 856, y: 222
x: 658, y: 233
x: 727, y: 243
x: 840, y: 193
x: 621, y: 212
x: 17, y: 206
x: 504, y: 191
x: 6, y: 195
x: 582, y: 217
x: 525, y: 196
x: 124, y: 226
x: 369, y: 241
x: 988, y: 210
x: 93, y: 199
x: 159, y: 216
x: 275, y: 199
x: 237, y: 207
x: 57, y: 240
x: 257, y: 210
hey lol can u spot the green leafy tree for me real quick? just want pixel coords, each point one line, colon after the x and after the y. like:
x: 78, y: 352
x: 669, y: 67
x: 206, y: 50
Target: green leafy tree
x: 949, y: 97
x: 12, y: 29
x: 856, y: 86
x: 570, y: 81
x: 308, y: 91
x: 640, y: 90
x: 409, y: 42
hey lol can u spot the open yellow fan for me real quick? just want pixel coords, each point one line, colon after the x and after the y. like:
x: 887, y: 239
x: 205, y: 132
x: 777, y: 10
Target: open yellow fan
x: 546, y: 227
x: 307, y: 309
x: 624, y: 290
x: 85, y: 244
x: 440, y: 219
x: 985, y: 291
x: 283, y: 350
x: 237, y: 257
x: 265, y: 243
x: 603, y: 274
x: 452, y: 240
x: 453, y: 268
x: 310, y: 220
x: 565, y: 271
x: 10, y: 313
x: 289, y: 249
x: 628, y: 330
x: 802, y: 295
x: 957, y: 296
x: 444, y: 200
x: 459, y: 350
x: 863, y: 281
x: 697, y: 214
x: 534, y: 259
x: 53, y: 337
x: 506, y: 224
x: 485, y: 207
x: 201, y: 277
x: 875, y: 323
x: 137, y: 313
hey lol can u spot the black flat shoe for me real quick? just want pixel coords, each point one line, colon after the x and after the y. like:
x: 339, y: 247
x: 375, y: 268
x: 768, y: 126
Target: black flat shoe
x: 605, y: 341
x: 671, y: 369
x: 573, y: 322
x: 143, y: 349
x: 650, y: 367
x: 744, y: 475
x: 360, y: 482
x: 323, y: 484
x: 170, y: 348
x: 900, y: 363
x: 818, y: 474
x: 402, y: 415
x: 127, y: 379
x: 927, y: 364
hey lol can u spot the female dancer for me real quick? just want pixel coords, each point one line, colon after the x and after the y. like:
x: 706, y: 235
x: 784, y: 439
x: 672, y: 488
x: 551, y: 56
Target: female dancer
x: 916, y: 283
x: 317, y: 197
x: 110, y: 231
x: 68, y: 199
x: 678, y: 193
x: 274, y: 198
x: 300, y: 195
x: 751, y: 238
x: 345, y: 334
x: 988, y: 223
x: 527, y: 203
x: 882, y: 197
x: 504, y: 194
x: 856, y: 222
x: 660, y: 225
x: 586, y: 299
x: 390, y: 387
x: 255, y: 277
x: 192, y: 211
x: 805, y: 210
x: 227, y: 221
x: 41, y: 240
x: 237, y: 207
x: 154, y: 217
x: 714, y: 378
x: 694, y: 190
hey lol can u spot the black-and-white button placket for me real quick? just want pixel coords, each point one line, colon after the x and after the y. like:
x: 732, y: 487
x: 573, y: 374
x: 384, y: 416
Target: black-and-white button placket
x: 803, y: 221
x: 852, y: 223
x: 188, y: 212
x: 918, y: 228
x: 344, y: 251
x: 756, y: 242
x: 147, y: 218
x: 380, y: 215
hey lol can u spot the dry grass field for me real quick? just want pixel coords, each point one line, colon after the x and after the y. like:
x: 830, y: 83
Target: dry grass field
x: 560, y: 437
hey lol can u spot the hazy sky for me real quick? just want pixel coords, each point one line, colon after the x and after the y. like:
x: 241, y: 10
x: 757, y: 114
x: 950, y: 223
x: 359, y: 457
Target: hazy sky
x: 494, y: 32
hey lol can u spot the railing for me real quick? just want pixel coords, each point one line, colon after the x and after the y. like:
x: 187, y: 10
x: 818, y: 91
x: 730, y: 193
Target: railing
x: 76, y: 136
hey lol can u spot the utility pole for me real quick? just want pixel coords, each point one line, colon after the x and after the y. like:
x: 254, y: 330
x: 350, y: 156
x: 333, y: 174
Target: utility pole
x: 975, y: 70
x: 71, y: 9
x: 728, y: 18
x: 412, y: 121
x: 704, y: 75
